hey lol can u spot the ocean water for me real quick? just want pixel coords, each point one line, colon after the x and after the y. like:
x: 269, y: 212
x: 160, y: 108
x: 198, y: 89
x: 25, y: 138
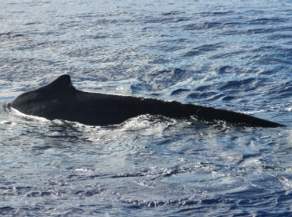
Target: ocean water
x: 232, y: 54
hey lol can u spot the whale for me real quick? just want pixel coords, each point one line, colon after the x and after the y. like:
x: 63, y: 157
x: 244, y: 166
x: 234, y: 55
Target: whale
x: 61, y: 100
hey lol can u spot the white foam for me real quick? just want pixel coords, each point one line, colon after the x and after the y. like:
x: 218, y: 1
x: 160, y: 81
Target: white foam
x: 20, y: 114
x: 285, y: 182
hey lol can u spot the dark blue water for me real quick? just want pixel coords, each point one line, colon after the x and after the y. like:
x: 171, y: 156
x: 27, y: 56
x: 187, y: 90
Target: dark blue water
x: 226, y: 54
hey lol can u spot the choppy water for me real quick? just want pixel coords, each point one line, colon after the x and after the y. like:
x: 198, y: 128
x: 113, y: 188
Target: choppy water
x: 228, y: 54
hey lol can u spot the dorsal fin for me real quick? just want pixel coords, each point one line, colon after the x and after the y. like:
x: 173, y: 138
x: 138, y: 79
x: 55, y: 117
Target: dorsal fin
x: 61, y: 83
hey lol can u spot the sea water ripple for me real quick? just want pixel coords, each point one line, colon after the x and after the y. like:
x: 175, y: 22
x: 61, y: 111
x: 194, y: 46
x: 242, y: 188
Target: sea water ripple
x: 228, y: 54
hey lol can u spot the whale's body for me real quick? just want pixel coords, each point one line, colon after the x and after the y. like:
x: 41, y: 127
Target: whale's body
x: 60, y: 100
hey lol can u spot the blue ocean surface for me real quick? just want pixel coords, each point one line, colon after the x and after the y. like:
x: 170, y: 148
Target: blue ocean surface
x: 234, y: 54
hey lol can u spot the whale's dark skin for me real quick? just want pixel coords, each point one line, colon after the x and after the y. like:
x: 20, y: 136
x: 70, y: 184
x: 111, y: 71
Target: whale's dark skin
x: 60, y: 100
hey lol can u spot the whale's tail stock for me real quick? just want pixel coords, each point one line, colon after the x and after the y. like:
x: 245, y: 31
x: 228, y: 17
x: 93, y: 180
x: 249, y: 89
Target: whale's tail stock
x: 211, y: 115
x: 234, y: 118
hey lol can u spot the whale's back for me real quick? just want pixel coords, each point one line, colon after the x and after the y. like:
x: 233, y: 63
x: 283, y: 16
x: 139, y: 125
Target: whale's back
x: 60, y: 100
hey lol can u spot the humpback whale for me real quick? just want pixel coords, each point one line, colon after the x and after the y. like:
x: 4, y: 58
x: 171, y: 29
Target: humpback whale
x: 61, y: 100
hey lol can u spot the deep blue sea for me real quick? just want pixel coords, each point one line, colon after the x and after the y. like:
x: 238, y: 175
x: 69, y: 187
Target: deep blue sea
x: 231, y: 54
